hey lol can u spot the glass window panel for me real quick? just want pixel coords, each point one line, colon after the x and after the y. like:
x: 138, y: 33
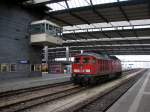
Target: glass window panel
x: 57, y: 6
x: 62, y: 4
x: 4, y: 68
x: 37, y: 28
x: 77, y: 3
x: 72, y: 3
x: 38, y: 67
x: 103, y: 1
x: 32, y: 67
x: 13, y: 67
x: 84, y: 3
x: 47, y: 27
x: 50, y: 27
x: 44, y: 67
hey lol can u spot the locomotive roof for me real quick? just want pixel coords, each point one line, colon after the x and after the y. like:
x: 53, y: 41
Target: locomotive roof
x: 114, y: 57
x: 100, y: 56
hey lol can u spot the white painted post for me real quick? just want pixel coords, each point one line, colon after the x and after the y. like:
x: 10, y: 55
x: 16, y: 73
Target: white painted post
x: 46, y: 53
x: 81, y: 51
x: 67, y: 53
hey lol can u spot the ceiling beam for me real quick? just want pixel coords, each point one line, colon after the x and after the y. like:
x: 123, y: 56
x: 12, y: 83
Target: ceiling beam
x: 109, y: 40
x: 98, y: 13
x: 61, y: 20
x: 95, y: 37
x: 75, y: 15
x: 44, y: 2
x: 123, y: 12
x: 126, y: 16
x: 106, y: 46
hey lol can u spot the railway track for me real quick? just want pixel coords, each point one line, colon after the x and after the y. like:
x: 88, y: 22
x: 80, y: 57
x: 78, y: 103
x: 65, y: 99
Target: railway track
x: 105, y: 101
x: 77, y: 102
x: 24, y: 99
x: 20, y: 91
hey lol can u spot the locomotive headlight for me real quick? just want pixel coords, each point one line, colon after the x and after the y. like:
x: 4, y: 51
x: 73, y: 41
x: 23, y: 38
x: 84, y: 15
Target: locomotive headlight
x: 87, y: 70
x: 76, y: 70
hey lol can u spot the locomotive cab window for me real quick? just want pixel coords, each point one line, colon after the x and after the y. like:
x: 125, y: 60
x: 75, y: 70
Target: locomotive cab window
x: 86, y: 60
x: 77, y: 60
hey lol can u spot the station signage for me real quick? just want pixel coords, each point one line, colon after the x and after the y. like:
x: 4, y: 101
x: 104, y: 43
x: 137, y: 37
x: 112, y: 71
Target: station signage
x: 24, y: 61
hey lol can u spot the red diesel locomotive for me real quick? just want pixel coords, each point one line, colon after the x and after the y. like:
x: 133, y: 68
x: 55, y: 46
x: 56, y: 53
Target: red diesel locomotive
x: 88, y: 68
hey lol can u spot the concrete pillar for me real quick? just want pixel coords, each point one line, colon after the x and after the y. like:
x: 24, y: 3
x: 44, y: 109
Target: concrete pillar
x: 67, y: 53
x: 46, y: 53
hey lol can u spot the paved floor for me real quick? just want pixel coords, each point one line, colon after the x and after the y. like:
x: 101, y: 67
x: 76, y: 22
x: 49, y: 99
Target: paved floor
x: 137, y: 99
x: 14, y: 84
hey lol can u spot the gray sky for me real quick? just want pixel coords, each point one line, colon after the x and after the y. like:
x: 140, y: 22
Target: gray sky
x: 134, y: 57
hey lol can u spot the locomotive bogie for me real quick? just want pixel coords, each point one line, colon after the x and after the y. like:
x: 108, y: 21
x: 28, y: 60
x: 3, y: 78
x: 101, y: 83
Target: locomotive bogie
x: 84, y: 80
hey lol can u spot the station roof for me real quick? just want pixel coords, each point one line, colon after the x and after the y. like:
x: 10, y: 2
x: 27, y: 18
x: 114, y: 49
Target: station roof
x: 110, y: 11
x: 111, y: 26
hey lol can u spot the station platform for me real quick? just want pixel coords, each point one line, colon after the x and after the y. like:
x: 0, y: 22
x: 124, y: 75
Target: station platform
x: 136, y: 99
x: 28, y: 82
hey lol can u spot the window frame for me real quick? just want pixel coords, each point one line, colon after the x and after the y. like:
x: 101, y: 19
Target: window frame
x: 7, y: 67
x: 37, y: 67
x: 10, y: 67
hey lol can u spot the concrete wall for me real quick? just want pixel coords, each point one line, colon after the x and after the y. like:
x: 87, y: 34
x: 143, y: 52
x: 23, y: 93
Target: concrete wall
x: 15, y: 39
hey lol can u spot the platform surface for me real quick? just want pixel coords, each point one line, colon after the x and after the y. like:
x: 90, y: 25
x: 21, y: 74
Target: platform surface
x: 136, y: 99
x: 21, y: 83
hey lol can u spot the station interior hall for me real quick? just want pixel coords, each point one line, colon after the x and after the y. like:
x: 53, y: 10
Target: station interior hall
x: 74, y: 56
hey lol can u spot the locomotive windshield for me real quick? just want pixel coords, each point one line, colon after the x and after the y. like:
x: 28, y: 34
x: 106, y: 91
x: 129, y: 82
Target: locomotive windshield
x: 86, y: 60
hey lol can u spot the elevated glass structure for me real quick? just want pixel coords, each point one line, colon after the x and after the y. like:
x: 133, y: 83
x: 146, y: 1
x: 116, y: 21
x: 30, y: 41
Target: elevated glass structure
x: 45, y: 32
